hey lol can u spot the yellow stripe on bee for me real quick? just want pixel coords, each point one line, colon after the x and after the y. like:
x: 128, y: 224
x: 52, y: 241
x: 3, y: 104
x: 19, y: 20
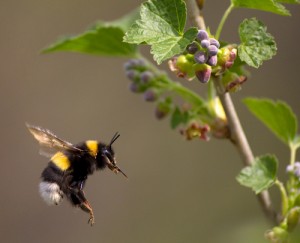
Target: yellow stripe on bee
x: 92, y: 146
x: 61, y: 161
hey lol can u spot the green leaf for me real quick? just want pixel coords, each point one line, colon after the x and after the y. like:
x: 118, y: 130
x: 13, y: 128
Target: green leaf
x: 256, y: 44
x: 178, y: 118
x: 261, y: 175
x: 162, y: 26
x: 264, y: 5
x: 277, y: 116
x: 289, y: 1
x: 101, y: 40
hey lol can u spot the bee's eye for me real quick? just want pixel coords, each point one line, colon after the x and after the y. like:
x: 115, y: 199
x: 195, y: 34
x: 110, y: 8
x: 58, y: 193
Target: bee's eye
x: 109, y: 156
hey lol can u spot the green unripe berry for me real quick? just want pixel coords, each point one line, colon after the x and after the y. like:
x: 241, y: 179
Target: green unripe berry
x: 293, y: 218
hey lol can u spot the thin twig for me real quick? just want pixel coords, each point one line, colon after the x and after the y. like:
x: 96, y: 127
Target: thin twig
x: 237, y: 135
x: 239, y: 139
x: 196, y: 14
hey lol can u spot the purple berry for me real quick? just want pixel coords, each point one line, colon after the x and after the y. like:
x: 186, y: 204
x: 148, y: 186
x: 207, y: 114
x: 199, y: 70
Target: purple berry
x: 134, y: 87
x: 214, y: 42
x: 212, y: 61
x: 146, y: 77
x: 160, y: 113
x: 192, y: 48
x: 134, y: 64
x: 228, y: 64
x: 202, y: 35
x: 212, y: 50
x: 232, y: 55
x: 150, y: 95
x: 205, y: 43
x: 200, y: 57
x: 203, y: 75
x: 131, y: 74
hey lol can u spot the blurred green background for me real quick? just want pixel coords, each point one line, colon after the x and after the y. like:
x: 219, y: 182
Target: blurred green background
x: 177, y: 191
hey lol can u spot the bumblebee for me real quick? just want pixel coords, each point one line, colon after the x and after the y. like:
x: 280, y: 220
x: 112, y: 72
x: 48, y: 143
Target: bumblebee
x: 69, y: 167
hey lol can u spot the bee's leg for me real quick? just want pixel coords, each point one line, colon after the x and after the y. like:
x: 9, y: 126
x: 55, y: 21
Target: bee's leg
x: 85, y: 206
x: 83, y: 203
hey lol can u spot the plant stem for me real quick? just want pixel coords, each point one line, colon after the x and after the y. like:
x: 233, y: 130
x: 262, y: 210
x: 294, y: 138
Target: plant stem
x: 284, y: 196
x: 196, y: 14
x: 222, y: 22
x: 237, y: 135
x: 238, y: 138
x: 293, y: 149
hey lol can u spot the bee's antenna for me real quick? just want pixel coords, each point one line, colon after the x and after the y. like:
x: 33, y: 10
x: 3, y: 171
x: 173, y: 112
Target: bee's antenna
x: 114, y: 138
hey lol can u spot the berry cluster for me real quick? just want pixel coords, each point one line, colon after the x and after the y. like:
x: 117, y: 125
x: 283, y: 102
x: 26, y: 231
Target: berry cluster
x: 144, y: 80
x: 139, y: 73
x: 207, y: 51
x: 198, y: 60
x: 203, y: 58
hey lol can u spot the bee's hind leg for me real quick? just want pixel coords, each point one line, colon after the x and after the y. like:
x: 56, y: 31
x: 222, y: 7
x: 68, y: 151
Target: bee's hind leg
x: 78, y: 198
x: 85, y: 206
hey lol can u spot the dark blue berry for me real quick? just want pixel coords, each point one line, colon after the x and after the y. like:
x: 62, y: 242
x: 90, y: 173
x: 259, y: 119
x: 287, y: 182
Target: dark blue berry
x: 146, y: 77
x: 214, y: 42
x: 200, y: 57
x: 212, y: 50
x: 205, y: 43
x: 212, y: 61
x: 203, y: 75
x: 192, y: 48
x: 134, y: 87
x: 134, y: 63
x: 131, y: 74
x: 202, y: 35
x: 150, y: 95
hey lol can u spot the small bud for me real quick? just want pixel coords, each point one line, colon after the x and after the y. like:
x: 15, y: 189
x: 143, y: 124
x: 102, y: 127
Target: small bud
x: 200, y: 57
x: 146, y: 77
x: 150, y: 95
x: 134, y: 87
x: 290, y: 168
x: 160, y: 113
x: 214, y: 42
x: 134, y: 63
x: 232, y: 55
x: 226, y: 57
x: 202, y: 35
x: 212, y: 50
x: 205, y: 43
x: 212, y: 61
x: 132, y: 75
x: 228, y: 64
x: 293, y: 218
x: 204, y: 74
x: 192, y: 48
x: 182, y: 66
x: 236, y: 84
x: 280, y: 234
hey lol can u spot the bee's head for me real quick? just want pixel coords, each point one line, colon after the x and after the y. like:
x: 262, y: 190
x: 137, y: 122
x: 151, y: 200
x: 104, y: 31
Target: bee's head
x: 109, y: 156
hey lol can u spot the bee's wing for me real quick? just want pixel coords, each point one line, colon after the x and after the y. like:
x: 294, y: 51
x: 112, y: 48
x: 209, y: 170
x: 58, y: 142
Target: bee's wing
x: 50, y: 143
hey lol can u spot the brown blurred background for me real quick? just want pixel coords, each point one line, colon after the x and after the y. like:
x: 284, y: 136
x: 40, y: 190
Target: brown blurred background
x: 177, y: 191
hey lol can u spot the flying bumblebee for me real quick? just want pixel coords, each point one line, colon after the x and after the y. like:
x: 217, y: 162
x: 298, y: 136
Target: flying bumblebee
x: 69, y: 167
